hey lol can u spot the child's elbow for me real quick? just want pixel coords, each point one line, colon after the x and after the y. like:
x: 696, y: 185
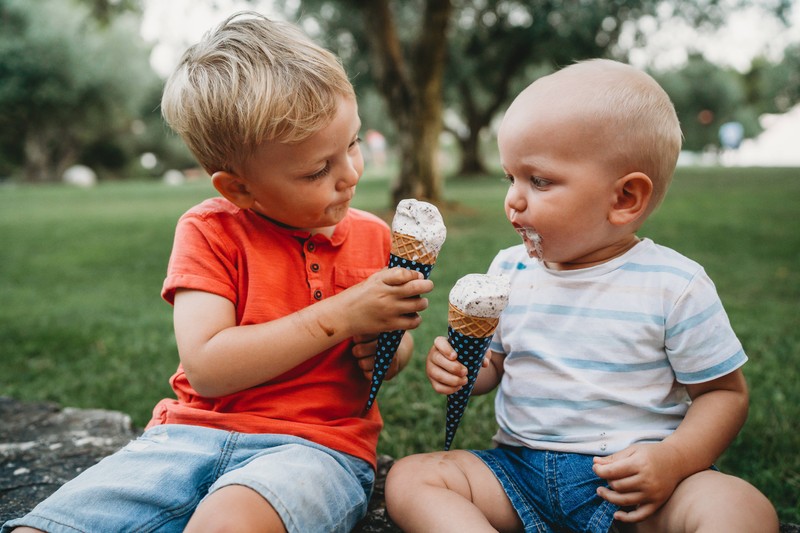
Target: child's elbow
x: 204, y: 385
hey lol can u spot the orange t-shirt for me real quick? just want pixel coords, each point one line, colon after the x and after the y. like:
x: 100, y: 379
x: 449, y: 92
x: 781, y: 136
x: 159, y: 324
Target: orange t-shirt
x: 268, y: 272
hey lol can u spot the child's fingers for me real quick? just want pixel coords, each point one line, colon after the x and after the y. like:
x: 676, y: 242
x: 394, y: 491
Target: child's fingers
x: 444, y: 348
x: 445, y: 374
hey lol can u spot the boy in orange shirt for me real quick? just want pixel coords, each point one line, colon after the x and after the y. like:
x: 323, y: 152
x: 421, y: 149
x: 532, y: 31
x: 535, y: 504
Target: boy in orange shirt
x: 279, y: 293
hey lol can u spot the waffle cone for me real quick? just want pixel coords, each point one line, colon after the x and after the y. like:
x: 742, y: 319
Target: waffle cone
x: 410, y: 248
x: 473, y: 326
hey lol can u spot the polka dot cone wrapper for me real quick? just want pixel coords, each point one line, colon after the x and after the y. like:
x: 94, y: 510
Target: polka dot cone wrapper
x: 471, y: 351
x: 388, y: 341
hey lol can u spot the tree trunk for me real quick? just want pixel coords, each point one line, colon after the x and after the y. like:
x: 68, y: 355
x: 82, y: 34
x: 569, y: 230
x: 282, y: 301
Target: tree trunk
x: 412, y: 88
x: 471, y: 160
x: 48, y: 153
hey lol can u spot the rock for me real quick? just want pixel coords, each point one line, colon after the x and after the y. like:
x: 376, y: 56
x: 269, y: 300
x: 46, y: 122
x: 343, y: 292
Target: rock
x: 42, y: 446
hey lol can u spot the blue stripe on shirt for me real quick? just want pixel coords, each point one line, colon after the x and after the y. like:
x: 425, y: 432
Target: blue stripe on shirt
x: 636, y: 267
x: 602, y: 366
x: 694, y: 321
x: 606, y: 314
x: 512, y: 265
x: 550, y: 403
x: 720, y: 369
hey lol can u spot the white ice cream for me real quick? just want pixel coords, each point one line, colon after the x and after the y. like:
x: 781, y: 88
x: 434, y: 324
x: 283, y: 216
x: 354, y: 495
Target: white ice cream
x: 422, y: 221
x: 482, y: 295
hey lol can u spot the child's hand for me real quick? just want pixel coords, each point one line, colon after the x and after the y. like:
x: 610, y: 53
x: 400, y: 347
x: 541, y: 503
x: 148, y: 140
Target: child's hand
x: 445, y: 372
x: 386, y: 301
x: 365, y: 347
x: 640, y: 478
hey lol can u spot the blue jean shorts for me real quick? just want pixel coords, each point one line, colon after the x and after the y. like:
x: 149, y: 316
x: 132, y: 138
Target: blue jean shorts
x: 551, y: 491
x: 156, y: 482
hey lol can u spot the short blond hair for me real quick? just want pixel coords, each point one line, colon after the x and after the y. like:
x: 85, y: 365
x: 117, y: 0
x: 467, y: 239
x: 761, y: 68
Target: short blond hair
x: 251, y: 80
x: 638, y: 117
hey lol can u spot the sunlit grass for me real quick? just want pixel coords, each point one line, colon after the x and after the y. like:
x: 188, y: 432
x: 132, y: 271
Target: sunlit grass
x: 82, y: 322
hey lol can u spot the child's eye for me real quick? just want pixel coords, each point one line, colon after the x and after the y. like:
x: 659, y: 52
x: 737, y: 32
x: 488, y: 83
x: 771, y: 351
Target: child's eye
x: 509, y: 178
x: 321, y: 173
x: 355, y: 143
x: 539, y: 183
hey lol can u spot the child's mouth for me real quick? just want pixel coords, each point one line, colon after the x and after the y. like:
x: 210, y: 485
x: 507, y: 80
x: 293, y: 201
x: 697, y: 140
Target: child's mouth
x: 532, y: 241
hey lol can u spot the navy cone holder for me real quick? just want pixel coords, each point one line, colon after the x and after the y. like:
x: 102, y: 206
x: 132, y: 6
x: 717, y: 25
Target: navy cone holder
x: 471, y: 351
x: 388, y: 341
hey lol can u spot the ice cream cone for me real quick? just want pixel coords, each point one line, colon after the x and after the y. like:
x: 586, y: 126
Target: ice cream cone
x: 476, y: 302
x: 413, y: 253
x: 412, y: 249
x: 470, y: 337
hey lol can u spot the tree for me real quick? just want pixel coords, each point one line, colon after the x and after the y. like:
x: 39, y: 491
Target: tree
x: 494, y: 47
x: 399, y: 49
x: 498, y: 47
x: 68, y: 82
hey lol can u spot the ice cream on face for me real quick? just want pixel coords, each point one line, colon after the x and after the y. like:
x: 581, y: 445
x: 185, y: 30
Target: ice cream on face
x: 481, y: 295
x: 532, y: 241
x: 423, y: 222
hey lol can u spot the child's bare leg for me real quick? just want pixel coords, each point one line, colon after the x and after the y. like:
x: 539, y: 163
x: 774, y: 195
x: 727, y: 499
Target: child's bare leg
x: 709, y: 502
x: 448, y: 491
x: 235, y: 508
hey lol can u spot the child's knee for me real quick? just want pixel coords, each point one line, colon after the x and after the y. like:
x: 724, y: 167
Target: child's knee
x: 712, y: 501
x: 402, y: 474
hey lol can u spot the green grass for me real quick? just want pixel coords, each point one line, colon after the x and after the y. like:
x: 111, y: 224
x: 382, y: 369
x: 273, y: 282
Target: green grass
x: 82, y: 322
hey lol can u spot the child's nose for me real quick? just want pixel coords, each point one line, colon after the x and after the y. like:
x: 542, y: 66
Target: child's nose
x: 515, y: 200
x: 349, y: 176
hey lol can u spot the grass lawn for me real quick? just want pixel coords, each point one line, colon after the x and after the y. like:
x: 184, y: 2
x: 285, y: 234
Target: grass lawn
x: 82, y: 322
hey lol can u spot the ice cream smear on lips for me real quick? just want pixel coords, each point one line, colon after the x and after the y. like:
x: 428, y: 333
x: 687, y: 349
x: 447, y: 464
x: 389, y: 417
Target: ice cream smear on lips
x: 421, y: 221
x: 481, y: 295
x: 532, y: 241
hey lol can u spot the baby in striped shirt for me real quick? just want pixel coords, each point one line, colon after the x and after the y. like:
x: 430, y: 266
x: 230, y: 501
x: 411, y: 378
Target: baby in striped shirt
x: 618, y: 374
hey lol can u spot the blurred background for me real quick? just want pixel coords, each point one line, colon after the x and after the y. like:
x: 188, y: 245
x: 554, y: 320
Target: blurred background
x: 80, y: 80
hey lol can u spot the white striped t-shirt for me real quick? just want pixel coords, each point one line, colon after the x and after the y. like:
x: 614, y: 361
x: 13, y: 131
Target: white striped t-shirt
x: 595, y: 357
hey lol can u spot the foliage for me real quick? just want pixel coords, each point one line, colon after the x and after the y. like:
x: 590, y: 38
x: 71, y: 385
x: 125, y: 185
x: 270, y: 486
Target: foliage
x: 775, y: 88
x: 494, y: 48
x: 82, y: 322
x: 705, y: 97
x: 69, y: 85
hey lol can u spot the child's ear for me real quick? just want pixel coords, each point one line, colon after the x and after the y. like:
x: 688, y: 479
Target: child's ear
x: 233, y: 188
x: 632, y: 194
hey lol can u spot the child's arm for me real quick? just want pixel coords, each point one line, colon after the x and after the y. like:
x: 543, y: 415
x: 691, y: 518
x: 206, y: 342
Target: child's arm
x: 447, y: 375
x: 644, y: 476
x: 221, y: 358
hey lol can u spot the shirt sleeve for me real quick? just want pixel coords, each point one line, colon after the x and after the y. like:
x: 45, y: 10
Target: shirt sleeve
x: 700, y: 342
x: 200, y: 260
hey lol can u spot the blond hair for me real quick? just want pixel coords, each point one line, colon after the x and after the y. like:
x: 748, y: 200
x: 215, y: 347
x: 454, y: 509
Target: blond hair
x: 251, y: 80
x: 637, y: 117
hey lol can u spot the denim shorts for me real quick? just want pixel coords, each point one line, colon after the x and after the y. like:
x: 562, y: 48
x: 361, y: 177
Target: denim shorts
x: 551, y: 491
x: 156, y: 482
